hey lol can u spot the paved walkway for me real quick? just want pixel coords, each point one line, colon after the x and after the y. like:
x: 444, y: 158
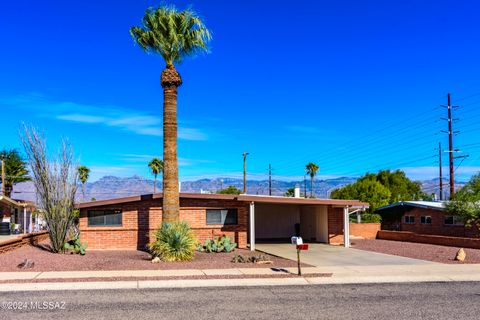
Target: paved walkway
x: 322, y: 255
x: 341, y: 275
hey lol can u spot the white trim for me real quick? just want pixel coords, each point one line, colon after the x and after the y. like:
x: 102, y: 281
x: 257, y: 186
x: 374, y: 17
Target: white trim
x: 346, y: 227
x: 24, y: 219
x: 252, y: 226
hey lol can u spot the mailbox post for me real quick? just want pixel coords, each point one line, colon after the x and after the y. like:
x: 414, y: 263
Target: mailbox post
x: 298, y: 242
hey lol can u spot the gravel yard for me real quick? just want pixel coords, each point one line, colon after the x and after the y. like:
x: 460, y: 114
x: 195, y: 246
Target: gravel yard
x: 421, y: 251
x: 124, y: 260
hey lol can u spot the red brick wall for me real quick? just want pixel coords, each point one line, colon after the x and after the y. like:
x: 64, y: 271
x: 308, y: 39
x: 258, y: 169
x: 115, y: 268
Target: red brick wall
x: 431, y: 239
x: 335, y: 225
x: 365, y: 230
x: 142, y: 218
x: 437, y: 227
x: 23, y: 240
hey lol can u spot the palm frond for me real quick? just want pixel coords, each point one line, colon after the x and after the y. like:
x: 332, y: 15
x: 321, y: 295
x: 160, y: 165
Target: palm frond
x: 156, y: 166
x: 171, y: 33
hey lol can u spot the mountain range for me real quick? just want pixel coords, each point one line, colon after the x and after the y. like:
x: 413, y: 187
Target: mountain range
x: 110, y: 187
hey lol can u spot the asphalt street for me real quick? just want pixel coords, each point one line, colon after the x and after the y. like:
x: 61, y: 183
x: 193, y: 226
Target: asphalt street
x: 455, y: 300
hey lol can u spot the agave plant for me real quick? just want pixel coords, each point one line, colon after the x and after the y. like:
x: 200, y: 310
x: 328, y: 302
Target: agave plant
x: 174, y: 242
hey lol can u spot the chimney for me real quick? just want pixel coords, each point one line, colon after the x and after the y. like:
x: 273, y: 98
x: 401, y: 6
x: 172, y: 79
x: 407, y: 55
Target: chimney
x: 296, y: 192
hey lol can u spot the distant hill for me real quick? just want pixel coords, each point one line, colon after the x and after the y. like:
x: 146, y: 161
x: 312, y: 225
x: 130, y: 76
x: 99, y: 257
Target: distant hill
x: 114, y: 187
x: 433, y: 186
x: 110, y: 187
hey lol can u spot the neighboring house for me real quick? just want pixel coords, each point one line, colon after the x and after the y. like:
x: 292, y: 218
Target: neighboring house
x: 20, y: 213
x: 131, y: 222
x: 423, y: 217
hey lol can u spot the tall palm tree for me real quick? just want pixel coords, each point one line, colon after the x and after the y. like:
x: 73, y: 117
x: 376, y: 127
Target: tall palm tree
x: 156, y: 166
x: 173, y: 35
x: 311, y: 169
x: 16, y: 170
x: 83, y: 175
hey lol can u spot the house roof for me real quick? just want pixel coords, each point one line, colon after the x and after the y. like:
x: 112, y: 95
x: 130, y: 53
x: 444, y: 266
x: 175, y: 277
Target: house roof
x: 17, y: 203
x: 9, y: 201
x: 435, y: 205
x: 242, y: 198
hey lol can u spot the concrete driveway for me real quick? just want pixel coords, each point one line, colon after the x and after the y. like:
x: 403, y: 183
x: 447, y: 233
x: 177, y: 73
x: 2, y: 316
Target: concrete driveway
x: 320, y: 255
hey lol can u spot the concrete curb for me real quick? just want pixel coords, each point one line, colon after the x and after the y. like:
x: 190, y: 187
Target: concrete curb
x: 151, y: 273
x: 203, y: 283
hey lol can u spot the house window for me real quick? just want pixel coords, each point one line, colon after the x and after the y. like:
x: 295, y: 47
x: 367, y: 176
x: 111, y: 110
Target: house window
x: 104, y: 218
x: 426, y: 220
x: 409, y: 219
x: 452, y: 220
x: 222, y: 216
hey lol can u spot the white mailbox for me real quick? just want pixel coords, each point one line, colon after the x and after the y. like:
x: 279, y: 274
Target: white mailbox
x: 297, y: 240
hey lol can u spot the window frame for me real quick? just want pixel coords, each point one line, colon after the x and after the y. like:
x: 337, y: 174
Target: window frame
x: 411, y: 219
x: 456, y: 220
x: 114, y: 211
x: 223, y: 219
x: 425, y: 218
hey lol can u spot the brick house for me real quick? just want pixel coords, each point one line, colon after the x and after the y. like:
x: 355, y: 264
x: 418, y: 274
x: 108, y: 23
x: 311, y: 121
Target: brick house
x: 19, y: 212
x: 423, y: 217
x: 131, y: 222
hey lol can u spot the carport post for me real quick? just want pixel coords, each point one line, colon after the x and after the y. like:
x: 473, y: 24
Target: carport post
x: 252, y: 226
x: 24, y: 219
x: 346, y: 227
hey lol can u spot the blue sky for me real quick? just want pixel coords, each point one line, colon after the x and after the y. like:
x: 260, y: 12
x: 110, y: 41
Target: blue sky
x: 354, y: 86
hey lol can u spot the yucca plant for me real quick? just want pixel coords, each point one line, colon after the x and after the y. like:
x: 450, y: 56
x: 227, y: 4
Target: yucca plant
x: 174, y: 242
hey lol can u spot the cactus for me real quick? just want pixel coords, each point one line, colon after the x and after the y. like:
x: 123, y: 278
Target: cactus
x: 76, y: 246
x: 222, y: 244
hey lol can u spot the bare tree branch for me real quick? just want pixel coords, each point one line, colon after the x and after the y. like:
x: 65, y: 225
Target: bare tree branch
x: 55, y: 182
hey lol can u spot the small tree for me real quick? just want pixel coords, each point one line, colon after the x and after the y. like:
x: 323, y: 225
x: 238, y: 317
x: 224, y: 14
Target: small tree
x: 83, y: 174
x: 55, y: 183
x: 466, y: 202
x: 229, y: 190
x: 156, y: 167
x: 290, y: 192
x: 15, y: 169
x: 369, y: 191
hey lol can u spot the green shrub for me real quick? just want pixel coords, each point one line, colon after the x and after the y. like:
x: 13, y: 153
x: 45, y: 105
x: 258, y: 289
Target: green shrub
x: 75, y: 246
x: 222, y: 244
x: 174, y: 242
x: 371, y: 218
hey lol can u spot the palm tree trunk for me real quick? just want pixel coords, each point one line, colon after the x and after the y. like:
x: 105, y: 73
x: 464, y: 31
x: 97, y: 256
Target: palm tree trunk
x: 83, y: 191
x: 170, y: 80
x: 155, y: 184
x: 8, y: 190
x: 311, y: 186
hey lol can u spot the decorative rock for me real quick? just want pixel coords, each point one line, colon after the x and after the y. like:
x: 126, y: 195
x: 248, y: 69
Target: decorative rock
x: 26, y: 264
x: 461, y: 255
x: 156, y: 260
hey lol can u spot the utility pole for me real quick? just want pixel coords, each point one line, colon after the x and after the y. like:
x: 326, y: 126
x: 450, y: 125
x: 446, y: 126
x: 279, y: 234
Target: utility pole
x: 440, y: 176
x: 270, y: 179
x: 245, y: 154
x: 305, y: 186
x: 3, y: 177
x: 450, y: 148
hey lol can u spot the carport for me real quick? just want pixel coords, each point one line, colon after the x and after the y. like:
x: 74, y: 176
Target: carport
x: 276, y: 219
